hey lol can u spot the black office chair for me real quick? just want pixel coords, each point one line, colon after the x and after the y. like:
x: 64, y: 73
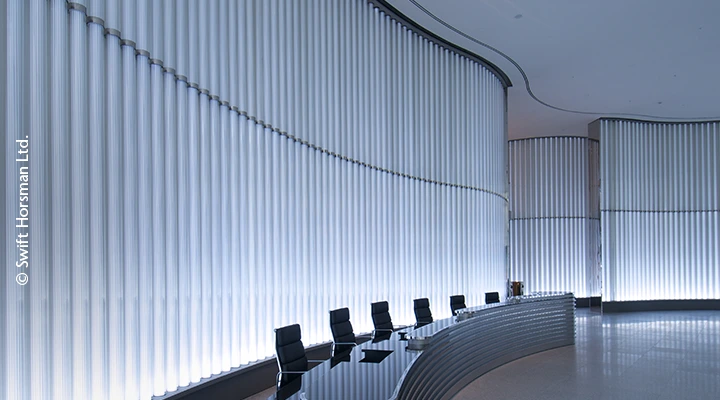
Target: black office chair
x: 492, y: 297
x: 423, y: 316
x: 456, y: 303
x: 290, y: 352
x: 381, y: 317
x: 342, y: 330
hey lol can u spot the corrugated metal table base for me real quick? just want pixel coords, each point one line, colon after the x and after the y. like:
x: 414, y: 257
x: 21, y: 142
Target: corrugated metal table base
x: 465, y: 351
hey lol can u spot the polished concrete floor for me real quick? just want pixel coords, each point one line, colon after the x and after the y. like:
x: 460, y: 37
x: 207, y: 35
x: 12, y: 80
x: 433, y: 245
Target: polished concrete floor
x: 641, y: 355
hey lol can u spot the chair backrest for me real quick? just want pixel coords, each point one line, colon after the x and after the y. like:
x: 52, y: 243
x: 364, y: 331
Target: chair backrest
x: 422, y: 311
x: 290, y: 352
x: 341, y: 327
x: 456, y: 303
x: 381, y: 316
x: 492, y: 297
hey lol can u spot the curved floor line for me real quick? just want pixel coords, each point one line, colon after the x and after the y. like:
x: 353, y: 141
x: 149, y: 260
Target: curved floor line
x: 527, y: 80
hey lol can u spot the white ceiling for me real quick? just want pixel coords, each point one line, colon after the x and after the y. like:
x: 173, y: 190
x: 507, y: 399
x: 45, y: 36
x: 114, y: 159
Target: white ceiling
x: 646, y: 59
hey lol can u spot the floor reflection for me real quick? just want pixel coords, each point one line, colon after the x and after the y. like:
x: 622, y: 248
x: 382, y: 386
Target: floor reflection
x: 648, y: 355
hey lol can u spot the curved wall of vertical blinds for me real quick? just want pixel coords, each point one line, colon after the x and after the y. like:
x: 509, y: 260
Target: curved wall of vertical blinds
x: 554, y: 205
x: 203, y: 173
x: 660, y: 210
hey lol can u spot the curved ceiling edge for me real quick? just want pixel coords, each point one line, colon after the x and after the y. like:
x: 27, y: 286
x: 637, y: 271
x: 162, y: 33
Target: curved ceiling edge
x: 527, y: 80
x: 393, y: 12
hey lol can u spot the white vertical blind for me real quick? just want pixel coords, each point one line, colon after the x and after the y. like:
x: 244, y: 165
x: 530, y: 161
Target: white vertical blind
x: 660, y: 210
x: 554, y: 224
x: 4, y: 223
x: 203, y: 173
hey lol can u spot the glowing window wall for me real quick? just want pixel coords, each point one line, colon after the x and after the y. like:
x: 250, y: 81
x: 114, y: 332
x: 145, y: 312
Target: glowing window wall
x: 203, y: 172
x: 660, y: 210
x: 555, y: 224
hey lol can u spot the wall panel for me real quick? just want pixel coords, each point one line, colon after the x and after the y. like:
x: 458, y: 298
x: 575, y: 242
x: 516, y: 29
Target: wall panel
x: 660, y: 210
x: 200, y: 175
x: 7, y: 137
x: 554, y: 224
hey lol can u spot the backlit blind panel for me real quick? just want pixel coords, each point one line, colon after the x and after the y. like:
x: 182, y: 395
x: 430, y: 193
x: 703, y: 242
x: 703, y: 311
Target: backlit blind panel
x: 660, y: 210
x: 329, y: 71
x: 554, y: 224
x: 201, y: 173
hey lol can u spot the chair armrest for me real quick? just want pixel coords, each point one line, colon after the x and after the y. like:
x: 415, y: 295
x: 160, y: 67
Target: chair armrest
x: 279, y: 374
x: 290, y: 372
x: 334, y: 346
x: 398, y: 327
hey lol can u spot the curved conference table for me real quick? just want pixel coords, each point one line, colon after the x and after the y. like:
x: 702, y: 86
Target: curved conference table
x: 437, y: 360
